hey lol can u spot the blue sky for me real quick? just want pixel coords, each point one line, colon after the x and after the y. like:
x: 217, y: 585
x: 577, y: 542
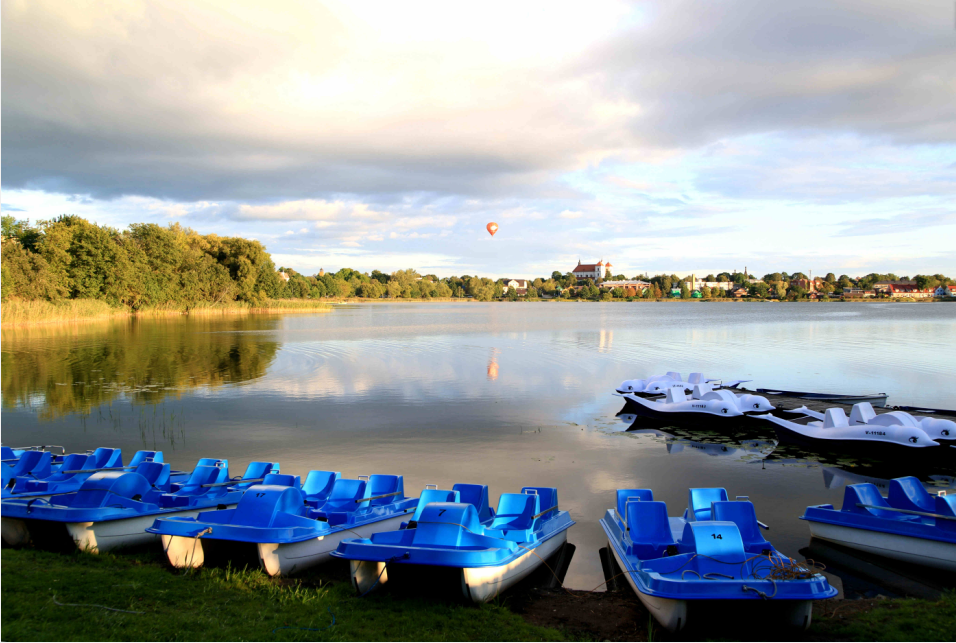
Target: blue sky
x: 661, y: 136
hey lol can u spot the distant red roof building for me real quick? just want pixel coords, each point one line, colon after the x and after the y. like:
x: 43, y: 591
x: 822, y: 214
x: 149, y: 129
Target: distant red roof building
x: 594, y: 271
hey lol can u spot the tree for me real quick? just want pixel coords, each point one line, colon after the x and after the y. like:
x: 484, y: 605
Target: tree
x: 779, y: 290
x: 927, y: 281
x: 607, y: 296
x: 830, y: 278
x: 759, y: 290
x: 706, y: 292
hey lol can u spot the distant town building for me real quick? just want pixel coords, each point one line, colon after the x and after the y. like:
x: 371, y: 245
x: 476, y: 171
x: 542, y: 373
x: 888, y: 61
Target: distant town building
x: 810, y: 285
x: 886, y: 287
x: 722, y: 285
x: 909, y: 290
x: 631, y: 287
x: 857, y: 293
x: 518, y: 285
x: 945, y: 291
x: 595, y: 271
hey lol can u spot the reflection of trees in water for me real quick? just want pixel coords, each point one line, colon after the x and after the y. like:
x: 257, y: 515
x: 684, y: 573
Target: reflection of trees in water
x: 159, y: 428
x: 73, y: 369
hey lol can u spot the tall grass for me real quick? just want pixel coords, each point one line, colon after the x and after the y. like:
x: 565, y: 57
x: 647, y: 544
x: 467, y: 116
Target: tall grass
x: 19, y: 312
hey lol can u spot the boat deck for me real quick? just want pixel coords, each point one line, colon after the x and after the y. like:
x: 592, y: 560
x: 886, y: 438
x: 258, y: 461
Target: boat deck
x: 786, y: 402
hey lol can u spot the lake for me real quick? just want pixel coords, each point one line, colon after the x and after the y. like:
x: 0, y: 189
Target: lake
x: 505, y: 394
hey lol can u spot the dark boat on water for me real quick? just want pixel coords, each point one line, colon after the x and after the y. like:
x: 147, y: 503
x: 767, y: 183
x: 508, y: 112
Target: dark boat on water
x: 877, y: 399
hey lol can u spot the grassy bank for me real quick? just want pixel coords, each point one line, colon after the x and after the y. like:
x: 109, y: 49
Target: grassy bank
x: 48, y: 596
x: 217, y: 604
x: 18, y: 312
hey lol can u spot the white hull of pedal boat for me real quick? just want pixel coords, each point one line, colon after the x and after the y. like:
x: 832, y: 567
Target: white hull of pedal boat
x: 277, y: 559
x: 478, y: 584
x: 93, y: 537
x: 920, y: 551
x: 671, y: 613
x: 15, y: 532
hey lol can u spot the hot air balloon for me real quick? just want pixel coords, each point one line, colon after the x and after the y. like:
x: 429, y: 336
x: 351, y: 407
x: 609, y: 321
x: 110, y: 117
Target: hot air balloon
x: 492, y: 228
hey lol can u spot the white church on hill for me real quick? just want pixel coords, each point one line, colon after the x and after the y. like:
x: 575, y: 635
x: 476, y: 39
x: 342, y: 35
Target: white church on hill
x: 595, y: 271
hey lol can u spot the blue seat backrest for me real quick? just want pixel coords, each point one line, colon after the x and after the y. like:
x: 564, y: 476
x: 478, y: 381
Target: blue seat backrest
x: 435, y: 495
x: 344, y: 494
x: 699, y: 501
x: 477, y: 495
x: 258, y: 470
x: 623, y: 495
x: 102, y: 488
x: 909, y: 493
x: 866, y: 494
x: 7, y: 453
x: 281, y: 480
x: 260, y: 506
x: 318, y: 484
x: 201, y: 476
x: 156, y: 473
x: 718, y: 546
x: 946, y: 506
x: 547, y: 499
x: 443, y: 523
x: 145, y: 456
x: 35, y: 463
x: 647, y: 523
x: 105, y: 458
x: 380, y: 484
x: 72, y: 462
x: 211, y: 462
x: 742, y: 514
x: 516, y: 511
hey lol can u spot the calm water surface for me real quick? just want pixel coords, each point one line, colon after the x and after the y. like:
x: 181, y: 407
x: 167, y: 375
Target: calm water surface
x: 503, y: 394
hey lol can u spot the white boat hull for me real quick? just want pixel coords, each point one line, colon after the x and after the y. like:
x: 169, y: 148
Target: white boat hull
x: 93, y: 537
x: 671, y: 613
x: 478, y: 584
x: 920, y: 551
x: 277, y: 559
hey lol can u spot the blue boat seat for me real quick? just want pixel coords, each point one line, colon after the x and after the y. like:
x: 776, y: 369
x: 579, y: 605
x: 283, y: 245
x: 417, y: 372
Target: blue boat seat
x: 547, y: 499
x: 718, y: 546
x: 72, y: 462
x: 318, y: 484
x: 382, y: 485
x: 156, y: 474
x: 264, y: 504
x: 434, y: 495
x: 281, y: 480
x: 699, y: 501
x: 343, y: 496
x: 35, y: 464
x: 199, y: 477
x: 104, y: 458
x: 910, y: 494
x: 110, y: 488
x: 444, y: 523
x: 145, y: 456
x: 946, y: 506
x: 203, y: 462
x: 868, y: 494
x: 742, y: 514
x: 623, y: 495
x: 255, y: 471
x: 515, y: 511
x: 477, y: 495
x: 8, y: 454
x: 648, y: 529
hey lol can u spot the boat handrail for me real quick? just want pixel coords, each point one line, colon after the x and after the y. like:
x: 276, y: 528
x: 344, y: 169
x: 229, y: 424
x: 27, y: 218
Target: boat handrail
x: 554, y: 508
x: 103, y: 469
x: 40, y: 447
x: 906, y: 511
x: 384, y: 495
x: 231, y: 483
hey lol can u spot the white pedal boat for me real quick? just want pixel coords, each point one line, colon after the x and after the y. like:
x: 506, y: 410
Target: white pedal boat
x: 658, y: 384
x: 938, y: 429
x: 704, y: 401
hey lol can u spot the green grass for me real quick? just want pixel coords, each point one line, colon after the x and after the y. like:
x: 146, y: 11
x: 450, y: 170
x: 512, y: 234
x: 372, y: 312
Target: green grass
x: 220, y: 604
x: 907, y: 619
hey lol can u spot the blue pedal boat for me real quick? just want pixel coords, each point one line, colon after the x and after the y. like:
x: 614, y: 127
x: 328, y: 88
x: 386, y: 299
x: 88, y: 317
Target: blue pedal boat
x: 75, y: 468
x: 715, y: 553
x: 285, y: 528
x: 113, y: 508
x: 911, y: 524
x: 487, y: 552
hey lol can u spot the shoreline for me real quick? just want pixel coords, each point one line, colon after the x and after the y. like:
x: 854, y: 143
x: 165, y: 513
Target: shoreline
x: 80, y: 311
x: 52, y: 596
x: 76, y: 311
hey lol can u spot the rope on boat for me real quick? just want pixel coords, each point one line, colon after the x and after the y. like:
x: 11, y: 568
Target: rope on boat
x: 112, y: 609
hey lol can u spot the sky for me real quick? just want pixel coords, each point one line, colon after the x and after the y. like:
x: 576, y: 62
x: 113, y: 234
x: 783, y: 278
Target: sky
x: 663, y: 137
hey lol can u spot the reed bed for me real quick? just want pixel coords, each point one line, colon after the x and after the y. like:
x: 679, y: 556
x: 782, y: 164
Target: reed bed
x: 18, y: 312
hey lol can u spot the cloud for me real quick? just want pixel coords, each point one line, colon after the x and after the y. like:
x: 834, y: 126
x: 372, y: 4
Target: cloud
x: 568, y: 214
x: 893, y: 225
